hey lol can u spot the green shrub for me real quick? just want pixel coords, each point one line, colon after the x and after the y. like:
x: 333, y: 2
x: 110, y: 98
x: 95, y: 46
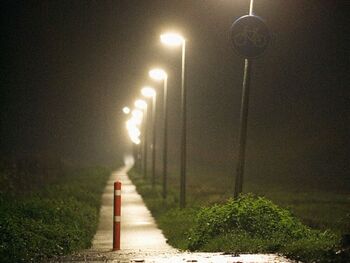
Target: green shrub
x: 58, y: 220
x: 247, y: 225
x: 255, y: 225
x: 256, y: 216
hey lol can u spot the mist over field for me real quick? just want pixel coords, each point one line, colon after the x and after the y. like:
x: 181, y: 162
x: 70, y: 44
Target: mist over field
x: 69, y: 68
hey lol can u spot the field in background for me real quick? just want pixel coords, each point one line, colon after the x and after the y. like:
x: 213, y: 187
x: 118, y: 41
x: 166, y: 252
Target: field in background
x: 321, y: 203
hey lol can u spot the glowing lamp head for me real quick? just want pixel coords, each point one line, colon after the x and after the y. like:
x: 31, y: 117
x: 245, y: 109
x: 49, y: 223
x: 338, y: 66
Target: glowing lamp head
x: 141, y: 104
x: 136, y: 141
x: 133, y: 131
x: 148, y: 92
x: 157, y: 74
x: 172, y: 39
x: 126, y: 110
x: 137, y: 114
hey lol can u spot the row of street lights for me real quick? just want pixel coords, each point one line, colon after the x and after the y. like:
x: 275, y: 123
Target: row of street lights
x: 255, y: 35
x: 249, y: 49
x: 134, y: 124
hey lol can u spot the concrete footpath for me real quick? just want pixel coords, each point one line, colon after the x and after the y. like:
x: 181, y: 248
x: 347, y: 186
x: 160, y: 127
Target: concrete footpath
x: 138, y: 228
x: 141, y: 239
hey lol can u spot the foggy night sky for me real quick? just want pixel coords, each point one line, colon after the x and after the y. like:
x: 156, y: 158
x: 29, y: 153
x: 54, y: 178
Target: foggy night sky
x: 68, y: 68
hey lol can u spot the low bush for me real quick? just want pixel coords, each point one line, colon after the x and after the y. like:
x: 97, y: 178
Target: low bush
x: 57, y: 220
x: 249, y: 224
x: 258, y: 217
x: 255, y: 225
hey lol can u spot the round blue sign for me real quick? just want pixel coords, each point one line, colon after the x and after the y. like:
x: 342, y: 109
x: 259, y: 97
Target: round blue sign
x: 250, y: 36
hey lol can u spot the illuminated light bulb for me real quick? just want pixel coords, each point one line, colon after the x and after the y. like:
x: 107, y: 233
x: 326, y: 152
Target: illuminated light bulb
x: 140, y: 104
x: 157, y: 74
x: 126, y: 110
x: 148, y: 92
x: 172, y: 39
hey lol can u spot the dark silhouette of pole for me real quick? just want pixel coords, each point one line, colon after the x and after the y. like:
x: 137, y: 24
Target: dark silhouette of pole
x: 165, y: 137
x: 154, y: 100
x: 242, y: 137
x: 183, y: 131
x: 243, y: 129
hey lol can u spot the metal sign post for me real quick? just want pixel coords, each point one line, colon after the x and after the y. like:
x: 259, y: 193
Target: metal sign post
x: 250, y: 38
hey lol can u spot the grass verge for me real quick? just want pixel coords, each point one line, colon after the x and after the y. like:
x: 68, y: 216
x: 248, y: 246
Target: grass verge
x: 249, y: 224
x: 57, y: 220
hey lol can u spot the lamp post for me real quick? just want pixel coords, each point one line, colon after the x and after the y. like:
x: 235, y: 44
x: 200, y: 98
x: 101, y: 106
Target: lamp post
x: 137, y: 117
x: 132, y: 127
x: 173, y: 39
x: 130, y: 147
x: 142, y: 105
x: 134, y: 133
x: 161, y: 75
x: 149, y: 92
x: 242, y: 137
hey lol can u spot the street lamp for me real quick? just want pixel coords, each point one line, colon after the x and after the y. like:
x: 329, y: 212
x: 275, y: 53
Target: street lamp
x: 174, y: 39
x: 142, y: 105
x: 161, y: 75
x: 126, y: 110
x: 149, y: 92
x: 133, y: 130
x: 137, y: 117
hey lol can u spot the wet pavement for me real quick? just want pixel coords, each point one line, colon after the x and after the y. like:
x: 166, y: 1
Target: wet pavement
x: 134, y: 256
x: 141, y: 239
x: 138, y: 228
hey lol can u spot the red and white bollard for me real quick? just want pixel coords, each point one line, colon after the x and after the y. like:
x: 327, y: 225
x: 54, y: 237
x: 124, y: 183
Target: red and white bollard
x: 116, y: 215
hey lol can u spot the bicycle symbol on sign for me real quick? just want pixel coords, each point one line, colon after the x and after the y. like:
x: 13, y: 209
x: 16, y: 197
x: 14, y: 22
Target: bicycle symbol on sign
x: 250, y: 34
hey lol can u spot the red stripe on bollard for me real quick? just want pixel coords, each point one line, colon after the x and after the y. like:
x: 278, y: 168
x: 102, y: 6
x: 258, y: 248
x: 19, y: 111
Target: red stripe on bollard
x: 117, y: 215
